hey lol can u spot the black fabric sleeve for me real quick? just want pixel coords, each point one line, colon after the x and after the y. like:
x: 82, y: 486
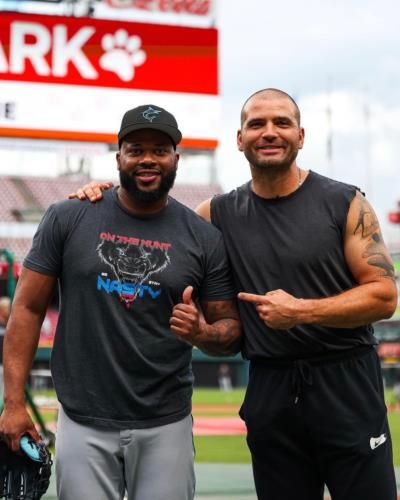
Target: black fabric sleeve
x: 217, y: 283
x: 214, y: 210
x: 45, y: 255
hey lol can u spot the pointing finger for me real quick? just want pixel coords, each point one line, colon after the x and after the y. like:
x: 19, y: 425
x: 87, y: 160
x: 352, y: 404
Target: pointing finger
x: 251, y: 297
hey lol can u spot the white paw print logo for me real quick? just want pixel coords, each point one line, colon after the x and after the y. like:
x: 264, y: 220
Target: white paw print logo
x: 121, y: 54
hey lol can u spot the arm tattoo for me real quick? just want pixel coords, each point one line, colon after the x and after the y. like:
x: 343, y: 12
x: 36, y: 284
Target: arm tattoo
x: 375, y: 254
x: 223, y: 333
x: 222, y: 339
x: 368, y: 228
x: 367, y: 222
x: 215, y: 310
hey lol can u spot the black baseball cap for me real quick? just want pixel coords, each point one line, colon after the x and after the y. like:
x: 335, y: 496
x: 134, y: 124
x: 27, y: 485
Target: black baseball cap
x: 149, y: 116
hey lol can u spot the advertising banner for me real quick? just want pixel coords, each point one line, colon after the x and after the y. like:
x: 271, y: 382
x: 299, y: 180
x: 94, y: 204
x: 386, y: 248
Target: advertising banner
x: 72, y: 78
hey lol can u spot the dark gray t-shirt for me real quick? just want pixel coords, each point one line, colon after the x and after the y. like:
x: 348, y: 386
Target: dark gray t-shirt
x: 295, y: 243
x: 115, y: 362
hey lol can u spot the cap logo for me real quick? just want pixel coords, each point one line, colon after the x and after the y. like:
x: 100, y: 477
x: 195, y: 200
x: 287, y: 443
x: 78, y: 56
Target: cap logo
x: 150, y: 113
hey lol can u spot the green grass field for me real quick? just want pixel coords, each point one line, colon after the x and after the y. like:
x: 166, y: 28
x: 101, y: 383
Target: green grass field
x: 215, y: 396
x: 219, y: 449
x: 394, y: 423
x: 233, y: 449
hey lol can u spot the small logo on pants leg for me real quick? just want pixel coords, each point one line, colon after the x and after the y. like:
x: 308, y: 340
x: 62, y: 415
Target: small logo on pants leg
x: 375, y: 442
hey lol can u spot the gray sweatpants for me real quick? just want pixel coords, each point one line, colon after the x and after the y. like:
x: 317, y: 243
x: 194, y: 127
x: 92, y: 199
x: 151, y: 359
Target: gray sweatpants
x: 100, y: 464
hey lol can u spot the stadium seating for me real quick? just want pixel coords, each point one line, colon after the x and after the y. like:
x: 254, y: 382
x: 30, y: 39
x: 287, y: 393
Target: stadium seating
x: 25, y: 198
x: 10, y: 199
x: 18, y: 246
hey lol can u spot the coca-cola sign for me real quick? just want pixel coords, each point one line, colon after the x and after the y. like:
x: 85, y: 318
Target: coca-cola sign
x: 195, y: 7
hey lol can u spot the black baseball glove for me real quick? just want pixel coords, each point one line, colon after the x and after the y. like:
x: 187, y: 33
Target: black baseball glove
x: 22, y: 478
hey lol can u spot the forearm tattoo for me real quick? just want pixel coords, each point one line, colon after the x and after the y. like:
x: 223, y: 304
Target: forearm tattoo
x: 223, y: 333
x: 221, y: 338
x: 367, y: 227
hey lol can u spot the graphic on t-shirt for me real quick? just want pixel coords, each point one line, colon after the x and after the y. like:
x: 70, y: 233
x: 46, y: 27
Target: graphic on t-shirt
x: 133, y: 261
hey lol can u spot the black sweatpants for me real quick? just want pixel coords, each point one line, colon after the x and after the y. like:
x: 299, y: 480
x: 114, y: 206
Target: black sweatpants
x: 320, y: 421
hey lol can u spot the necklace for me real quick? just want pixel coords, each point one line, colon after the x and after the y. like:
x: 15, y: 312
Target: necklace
x: 299, y: 183
x: 258, y: 188
x: 300, y: 179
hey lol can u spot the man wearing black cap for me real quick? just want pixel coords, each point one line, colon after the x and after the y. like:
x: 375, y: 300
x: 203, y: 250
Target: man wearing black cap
x: 130, y: 270
x: 308, y: 257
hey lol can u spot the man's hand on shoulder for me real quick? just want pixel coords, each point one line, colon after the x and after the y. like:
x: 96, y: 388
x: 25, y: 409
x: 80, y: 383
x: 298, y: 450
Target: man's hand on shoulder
x: 92, y: 191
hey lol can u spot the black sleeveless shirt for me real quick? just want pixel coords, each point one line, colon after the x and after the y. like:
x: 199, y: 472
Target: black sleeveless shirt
x: 294, y: 243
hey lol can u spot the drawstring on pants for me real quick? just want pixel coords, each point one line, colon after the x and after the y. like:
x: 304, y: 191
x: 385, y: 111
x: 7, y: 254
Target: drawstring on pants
x: 300, y: 370
x: 301, y: 375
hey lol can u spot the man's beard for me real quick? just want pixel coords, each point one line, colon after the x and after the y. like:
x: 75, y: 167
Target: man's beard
x: 268, y: 165
x: 268, y: 170
x: 128, y: 182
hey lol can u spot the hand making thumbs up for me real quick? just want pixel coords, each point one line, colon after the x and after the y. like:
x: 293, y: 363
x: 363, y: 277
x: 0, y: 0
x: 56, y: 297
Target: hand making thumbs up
x: 187, y: 296
x: 185, y: 319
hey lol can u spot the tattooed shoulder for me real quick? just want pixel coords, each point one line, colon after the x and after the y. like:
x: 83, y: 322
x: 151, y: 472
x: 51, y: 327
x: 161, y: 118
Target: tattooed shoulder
x: 367, y: 227
x: 377, y: 256
x: 367, y: 222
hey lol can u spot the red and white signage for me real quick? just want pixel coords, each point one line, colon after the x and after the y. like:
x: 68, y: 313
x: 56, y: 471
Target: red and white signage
x: 196, y: 7
x: 82, y: 51
x: 81, y: 74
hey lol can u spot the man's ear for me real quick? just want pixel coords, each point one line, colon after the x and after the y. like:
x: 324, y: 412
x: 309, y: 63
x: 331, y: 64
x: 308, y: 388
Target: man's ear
x: 117, y: 157
x: 301, y: 137
x: 239, y: 140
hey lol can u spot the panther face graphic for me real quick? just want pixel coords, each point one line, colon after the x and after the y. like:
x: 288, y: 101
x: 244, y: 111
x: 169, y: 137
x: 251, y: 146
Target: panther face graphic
x: 132, y: 264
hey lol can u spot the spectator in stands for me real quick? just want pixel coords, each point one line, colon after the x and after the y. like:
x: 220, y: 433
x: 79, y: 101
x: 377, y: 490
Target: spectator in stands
x: 131, y: 271
x: 5, y: 308
x: 308, y: 257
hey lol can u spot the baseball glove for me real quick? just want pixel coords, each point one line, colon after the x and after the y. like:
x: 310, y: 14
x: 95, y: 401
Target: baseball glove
x: 22, y: 478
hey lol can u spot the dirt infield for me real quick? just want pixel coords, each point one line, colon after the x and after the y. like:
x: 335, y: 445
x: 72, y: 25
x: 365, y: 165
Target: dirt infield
x: 216, y: 408
x: 218, y: 426
x: 217, y: 420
